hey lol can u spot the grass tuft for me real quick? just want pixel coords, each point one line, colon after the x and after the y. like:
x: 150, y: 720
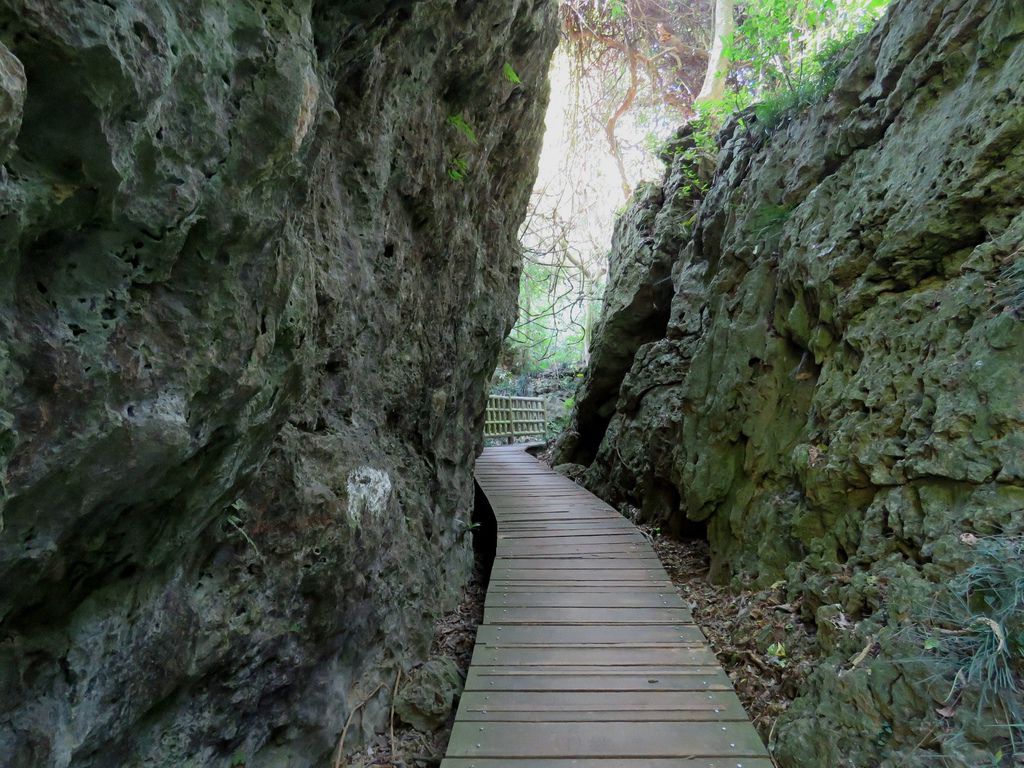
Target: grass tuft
x: 973, y: 638
x: 1011, y: 283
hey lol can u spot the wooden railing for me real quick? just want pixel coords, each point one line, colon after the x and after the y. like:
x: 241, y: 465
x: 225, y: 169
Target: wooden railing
x: 512, y: 417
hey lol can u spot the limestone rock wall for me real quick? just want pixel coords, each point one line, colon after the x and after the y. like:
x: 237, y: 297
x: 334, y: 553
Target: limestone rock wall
x: 253, y: 282
x: 839, y: 391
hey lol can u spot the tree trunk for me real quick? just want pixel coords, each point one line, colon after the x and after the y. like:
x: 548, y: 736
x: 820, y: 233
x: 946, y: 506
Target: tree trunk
x: 718, y: 63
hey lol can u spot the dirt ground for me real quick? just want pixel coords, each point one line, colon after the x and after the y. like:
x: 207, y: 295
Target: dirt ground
x: 758, y: 638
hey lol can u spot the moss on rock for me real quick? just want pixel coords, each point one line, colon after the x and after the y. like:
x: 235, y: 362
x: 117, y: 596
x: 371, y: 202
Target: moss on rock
x: 839, y: 392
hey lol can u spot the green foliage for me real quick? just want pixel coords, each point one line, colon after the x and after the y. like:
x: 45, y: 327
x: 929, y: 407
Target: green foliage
x: 710, y: 116
x: 617, y: 10
x: 555, y: 316
x: 558, y: 423
x: 810, y: 85
x: 510, y: 74
x: 459, y: 122
x: 787, y: 56
x: 974, y: 638
x: 777, y: 654
x: 781, y: 43
x: 458, y: 168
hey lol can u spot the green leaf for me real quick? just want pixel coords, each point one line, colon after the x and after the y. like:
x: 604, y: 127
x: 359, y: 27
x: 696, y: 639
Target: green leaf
x: 459, y: 122
x: 778, y: 650
x: 930, y: 644
x: 458, y: 169
x: 510, y: 74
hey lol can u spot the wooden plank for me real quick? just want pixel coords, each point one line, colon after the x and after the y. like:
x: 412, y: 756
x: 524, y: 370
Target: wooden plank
x: 613, y: 762
x: 558, y: 561
x: 581, y: 556
x: 583, y: 521
x: 575, y: 706
x: 655, y: 655
x: 583, y: 634
x: 590, y: 537
x: 527, y: 615
x: 587, y: 740
x: 565, y: 678
x: 628, y: 599
x: 592, y: 553
x: 571, y: 530
x: 610, y: 588
x: 582, y: 574
x: 587, y: 657
x: 579, y: 587
x: 535, y: 530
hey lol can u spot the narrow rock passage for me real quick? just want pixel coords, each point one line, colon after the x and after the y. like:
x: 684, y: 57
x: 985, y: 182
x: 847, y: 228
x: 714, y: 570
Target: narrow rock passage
x: 587, y: 657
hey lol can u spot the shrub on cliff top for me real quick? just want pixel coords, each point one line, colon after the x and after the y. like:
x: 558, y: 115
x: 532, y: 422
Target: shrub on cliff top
x: 786, y: 56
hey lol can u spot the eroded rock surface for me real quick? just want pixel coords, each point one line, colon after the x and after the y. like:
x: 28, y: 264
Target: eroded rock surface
x: 12, y: 100
x: 839, y: 392
x: 427, y: 698
x: 247, y: 321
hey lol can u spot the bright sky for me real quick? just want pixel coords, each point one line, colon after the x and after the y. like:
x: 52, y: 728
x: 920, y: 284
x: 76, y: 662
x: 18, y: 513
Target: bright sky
x: 578, y: 176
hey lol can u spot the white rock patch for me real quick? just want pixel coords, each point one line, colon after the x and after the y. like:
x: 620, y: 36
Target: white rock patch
x: 369, y: 491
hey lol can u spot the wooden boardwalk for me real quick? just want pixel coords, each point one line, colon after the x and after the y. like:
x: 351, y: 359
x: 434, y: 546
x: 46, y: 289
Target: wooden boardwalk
x: 587, y: 657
